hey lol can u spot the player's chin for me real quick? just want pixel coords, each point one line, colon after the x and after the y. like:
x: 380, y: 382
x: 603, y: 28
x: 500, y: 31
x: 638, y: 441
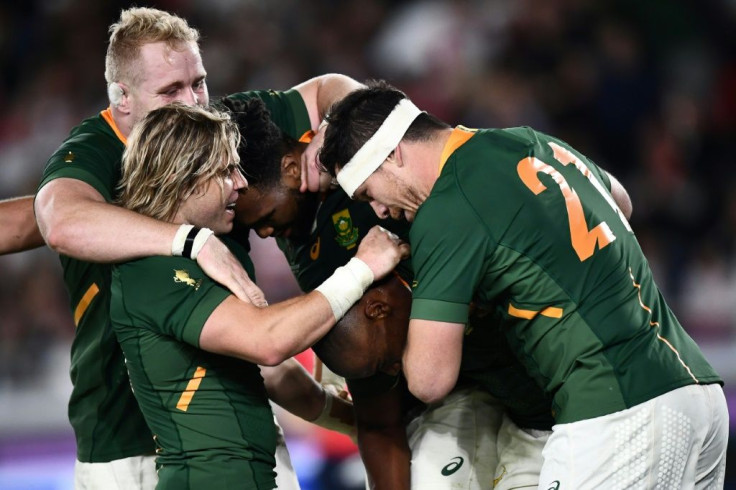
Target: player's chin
x: 223, y: 226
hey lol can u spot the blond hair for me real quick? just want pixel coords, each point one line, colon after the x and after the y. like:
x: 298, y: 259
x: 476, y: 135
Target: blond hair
x: 136, y: 27
x: 174, y: 151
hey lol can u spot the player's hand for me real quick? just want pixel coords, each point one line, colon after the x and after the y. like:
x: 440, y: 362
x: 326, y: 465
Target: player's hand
x: 382, y: 250
x: 218, y: 262
x: 313, y: 178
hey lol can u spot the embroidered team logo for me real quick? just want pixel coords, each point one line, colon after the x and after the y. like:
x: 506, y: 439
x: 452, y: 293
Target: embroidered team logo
x: 181, y: 275
x: 555, y: 485
x: 347, y: 234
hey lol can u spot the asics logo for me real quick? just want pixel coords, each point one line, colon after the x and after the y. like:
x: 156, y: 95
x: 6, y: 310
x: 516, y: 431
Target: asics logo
x: 453, y: 466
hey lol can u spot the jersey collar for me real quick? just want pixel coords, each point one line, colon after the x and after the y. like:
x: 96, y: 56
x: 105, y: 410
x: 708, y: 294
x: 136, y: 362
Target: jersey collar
x: 460, y: 135
x: 107, y: 116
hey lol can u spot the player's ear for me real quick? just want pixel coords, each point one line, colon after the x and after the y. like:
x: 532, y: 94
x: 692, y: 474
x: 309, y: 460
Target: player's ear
x: 396, y: 156
x: 291, y: 169
x: 118, y: 94
x: 375, y: 309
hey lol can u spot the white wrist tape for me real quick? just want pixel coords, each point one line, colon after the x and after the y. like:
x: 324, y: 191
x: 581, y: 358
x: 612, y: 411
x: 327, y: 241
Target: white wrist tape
x: 200, y: 240
x: 177, y: 246
x: 346, y: 285
x: 334, y: 422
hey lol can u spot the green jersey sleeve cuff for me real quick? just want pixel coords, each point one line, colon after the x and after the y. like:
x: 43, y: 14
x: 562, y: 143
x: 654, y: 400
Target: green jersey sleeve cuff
x: 201, y: 313
x: 299, y: 113
x: 440, y: 311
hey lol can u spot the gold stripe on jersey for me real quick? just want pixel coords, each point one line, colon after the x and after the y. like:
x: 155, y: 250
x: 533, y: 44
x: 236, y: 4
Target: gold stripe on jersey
x: 656, y: 325
x: 84, y: 303
x: 549, y: 312
x: 186, y: 398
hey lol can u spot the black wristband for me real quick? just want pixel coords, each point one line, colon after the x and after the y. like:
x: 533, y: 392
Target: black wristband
x: 189, y: 242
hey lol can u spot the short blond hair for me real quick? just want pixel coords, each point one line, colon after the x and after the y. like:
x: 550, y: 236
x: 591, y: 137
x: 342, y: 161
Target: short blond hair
x: 171, y: 152
x: 138, y: 26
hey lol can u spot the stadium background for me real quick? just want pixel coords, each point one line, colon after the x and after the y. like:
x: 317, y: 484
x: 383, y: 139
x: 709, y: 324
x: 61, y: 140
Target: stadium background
x: 647, y: 89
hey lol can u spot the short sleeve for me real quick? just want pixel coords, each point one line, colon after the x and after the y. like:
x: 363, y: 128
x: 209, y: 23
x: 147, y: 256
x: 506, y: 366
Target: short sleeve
x: 449, y: 247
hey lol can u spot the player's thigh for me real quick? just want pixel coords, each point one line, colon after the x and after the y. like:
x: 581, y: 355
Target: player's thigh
x: 519, y: 456
x: 134, y: 473
x: 656, y: 444
x: 453, y: 443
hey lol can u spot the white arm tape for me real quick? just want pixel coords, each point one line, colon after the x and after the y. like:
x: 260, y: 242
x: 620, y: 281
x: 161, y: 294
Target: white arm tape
x: 346, y: 285
x: 177, y: 246
x: 200, y: 240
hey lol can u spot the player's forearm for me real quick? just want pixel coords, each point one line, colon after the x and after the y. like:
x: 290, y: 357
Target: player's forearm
x: 386, y: 457
x: 76, y: 221
x: 267, y: 336
x: 100, y: 232
x: 291, y: 387
x: 18, y: 224
x: 321, y: 92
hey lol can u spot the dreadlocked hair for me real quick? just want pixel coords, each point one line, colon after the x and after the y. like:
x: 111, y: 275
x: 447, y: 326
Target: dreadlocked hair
x: 263, y: 143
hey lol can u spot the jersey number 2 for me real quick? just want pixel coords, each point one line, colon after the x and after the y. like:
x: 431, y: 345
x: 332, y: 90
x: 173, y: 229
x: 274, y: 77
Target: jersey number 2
x: 583, y: 240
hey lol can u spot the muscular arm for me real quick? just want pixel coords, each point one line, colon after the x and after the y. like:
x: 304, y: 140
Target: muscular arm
x: 432, y: 356
x: 75, y: 220
x: 18, y: 223
x: 270, y: 335
x: 319, y: 93
x: 382, y: 439
x: 291, y: 387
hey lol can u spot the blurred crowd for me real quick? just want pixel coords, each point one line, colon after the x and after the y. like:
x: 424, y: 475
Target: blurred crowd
x: 646, y: 89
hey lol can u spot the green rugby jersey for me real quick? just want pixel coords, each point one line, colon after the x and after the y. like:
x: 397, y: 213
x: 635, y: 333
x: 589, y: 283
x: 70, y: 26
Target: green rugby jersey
x: 339, y: 226
x: 340, y: 222
x: 210, y: 414
x: 525, y: 227
x: 107, y: 422
x: 287, y: 109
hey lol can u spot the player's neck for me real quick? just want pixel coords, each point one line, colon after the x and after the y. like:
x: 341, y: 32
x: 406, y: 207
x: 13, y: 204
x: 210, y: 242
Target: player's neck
x: 426, y: 157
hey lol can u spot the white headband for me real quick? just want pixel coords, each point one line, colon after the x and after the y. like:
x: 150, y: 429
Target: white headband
x: 373, y: 153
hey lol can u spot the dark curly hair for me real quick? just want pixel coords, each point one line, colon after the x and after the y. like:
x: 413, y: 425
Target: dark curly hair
x: 262, y: 144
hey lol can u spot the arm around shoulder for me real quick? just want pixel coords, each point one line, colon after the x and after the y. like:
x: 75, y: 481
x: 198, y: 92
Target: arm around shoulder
x: 75, y: 220
x: 17, y: 220
x: 319, y: 93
